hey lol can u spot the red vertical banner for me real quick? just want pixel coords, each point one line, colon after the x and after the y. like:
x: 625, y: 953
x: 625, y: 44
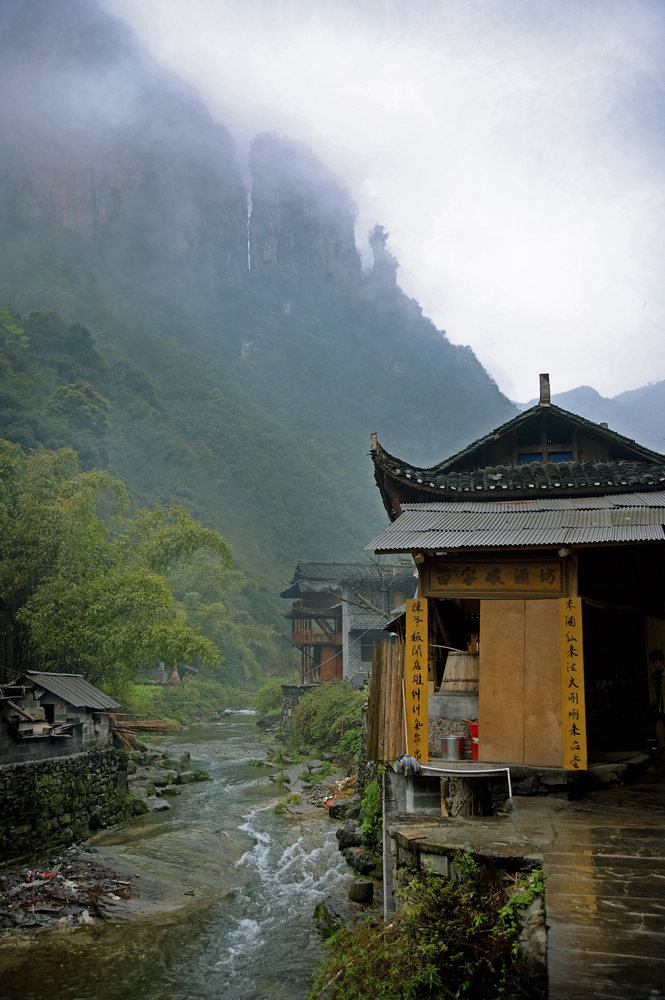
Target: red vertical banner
x: 415, y: 679
x: 573, y: 710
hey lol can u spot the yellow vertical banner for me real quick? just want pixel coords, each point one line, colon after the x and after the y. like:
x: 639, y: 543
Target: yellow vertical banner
x: 573, y: 711
x: 415, y: 679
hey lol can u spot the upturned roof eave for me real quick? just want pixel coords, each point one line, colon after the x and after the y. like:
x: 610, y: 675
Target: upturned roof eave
x: 379, y: 453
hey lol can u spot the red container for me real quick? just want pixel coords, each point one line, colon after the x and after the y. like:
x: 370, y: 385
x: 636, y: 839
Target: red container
x: 473, y: 733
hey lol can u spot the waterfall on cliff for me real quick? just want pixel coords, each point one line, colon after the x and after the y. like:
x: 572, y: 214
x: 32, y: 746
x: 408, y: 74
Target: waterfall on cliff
x: 249, y: 219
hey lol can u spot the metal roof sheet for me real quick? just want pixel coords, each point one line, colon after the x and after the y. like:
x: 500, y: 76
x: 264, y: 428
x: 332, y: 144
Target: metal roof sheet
x: 545, y: 522
x: 74, y: 689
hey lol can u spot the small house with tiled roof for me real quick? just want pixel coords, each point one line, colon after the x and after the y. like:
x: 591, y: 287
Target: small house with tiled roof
x: 339, y: 610
x: 45, y: 714
x: 540, y: 549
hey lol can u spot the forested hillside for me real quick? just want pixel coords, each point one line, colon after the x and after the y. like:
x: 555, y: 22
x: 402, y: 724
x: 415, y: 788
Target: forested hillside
x: 202, y: 326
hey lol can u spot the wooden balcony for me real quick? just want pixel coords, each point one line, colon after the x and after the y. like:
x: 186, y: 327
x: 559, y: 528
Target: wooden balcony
x: 315, y: 637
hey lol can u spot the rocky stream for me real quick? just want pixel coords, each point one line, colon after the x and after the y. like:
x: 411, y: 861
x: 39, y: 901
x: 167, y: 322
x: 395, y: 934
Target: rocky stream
x: 210, y: 894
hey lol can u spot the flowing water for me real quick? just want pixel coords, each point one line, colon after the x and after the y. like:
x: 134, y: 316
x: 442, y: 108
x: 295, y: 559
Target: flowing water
x: 227, y: 892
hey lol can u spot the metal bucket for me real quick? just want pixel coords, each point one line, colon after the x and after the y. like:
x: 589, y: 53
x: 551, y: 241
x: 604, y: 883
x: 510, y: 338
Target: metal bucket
x: 452, y: 748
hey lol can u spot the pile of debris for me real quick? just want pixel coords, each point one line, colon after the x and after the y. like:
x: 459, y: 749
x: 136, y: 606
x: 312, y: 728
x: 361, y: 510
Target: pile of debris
x: 70, y: 889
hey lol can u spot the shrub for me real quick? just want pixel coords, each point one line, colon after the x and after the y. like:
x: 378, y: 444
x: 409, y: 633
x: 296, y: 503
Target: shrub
x: 268, y: 698
x: 453, y: 938
x: 328, y: 718
x: 372, y: 814
x: 196, y: 700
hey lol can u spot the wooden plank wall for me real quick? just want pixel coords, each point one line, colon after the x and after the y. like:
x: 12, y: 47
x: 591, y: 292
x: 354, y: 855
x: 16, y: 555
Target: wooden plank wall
x: 519, y: 708
x: 385, y: 706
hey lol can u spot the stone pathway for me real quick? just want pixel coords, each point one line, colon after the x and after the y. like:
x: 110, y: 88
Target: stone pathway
x: 604, y: 862
x: 605, y: 895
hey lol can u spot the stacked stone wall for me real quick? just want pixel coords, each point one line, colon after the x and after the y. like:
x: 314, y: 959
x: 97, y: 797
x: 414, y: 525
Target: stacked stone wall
x: 291, y: 695
x: 53, y: 803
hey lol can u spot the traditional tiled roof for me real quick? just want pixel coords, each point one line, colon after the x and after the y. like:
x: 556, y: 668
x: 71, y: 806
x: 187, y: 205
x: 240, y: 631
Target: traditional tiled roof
x: 336, y: 571
x: 557, y: 477
x: 542, y: 522
x: 612, y: 437
x: 626, y: 466
x: 324, y: 577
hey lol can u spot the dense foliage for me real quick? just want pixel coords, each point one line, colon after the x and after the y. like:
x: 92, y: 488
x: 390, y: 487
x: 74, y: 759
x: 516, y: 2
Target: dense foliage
x: 134, y: 330
x: 454, y: 939
x: 199, y: 699
x: 329, y: 718
x: 84, y: 577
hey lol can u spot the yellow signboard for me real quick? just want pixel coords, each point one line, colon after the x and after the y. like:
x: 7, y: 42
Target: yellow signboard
x: 496, y: 578
x: 415, y: 679
x: 573, y: 712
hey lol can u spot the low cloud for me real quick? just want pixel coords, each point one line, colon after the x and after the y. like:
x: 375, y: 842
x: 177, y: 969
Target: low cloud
x: 513, y: 150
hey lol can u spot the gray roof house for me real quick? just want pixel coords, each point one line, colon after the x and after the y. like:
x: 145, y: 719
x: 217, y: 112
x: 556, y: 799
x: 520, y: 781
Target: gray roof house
x: 51, y: 715
x: 339, y: 610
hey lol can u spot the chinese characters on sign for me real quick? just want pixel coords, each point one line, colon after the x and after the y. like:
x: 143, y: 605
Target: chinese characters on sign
x: 415, y: 679
x: 455, y: 578
x: 573, y: 714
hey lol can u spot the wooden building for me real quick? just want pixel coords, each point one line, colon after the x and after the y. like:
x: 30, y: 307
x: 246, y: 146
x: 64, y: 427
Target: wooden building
x: 338, y: 611
x: 540, y: 550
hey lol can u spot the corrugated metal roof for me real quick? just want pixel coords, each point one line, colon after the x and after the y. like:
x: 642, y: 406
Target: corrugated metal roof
x: 74, y: 689
x: 587, y: 521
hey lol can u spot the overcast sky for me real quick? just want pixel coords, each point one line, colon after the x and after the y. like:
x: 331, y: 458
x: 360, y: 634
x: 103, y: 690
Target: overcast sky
x: 513, y: 149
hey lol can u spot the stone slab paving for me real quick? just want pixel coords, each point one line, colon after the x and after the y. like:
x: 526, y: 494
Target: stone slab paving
x: 605, y: 895
x: 604, y: 861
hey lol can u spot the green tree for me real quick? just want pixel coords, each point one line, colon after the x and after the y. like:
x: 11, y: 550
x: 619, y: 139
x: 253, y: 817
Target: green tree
x: 82, y: 407
x: 83, y: 576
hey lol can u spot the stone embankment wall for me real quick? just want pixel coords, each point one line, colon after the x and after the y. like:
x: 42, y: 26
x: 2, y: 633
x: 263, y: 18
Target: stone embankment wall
x: 291, y: 695
x: 53, y: 803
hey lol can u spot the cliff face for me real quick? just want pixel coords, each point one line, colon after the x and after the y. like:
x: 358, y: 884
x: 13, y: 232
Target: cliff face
x: 302, y: 220
x: 123, y: 207
x: 105, y: 147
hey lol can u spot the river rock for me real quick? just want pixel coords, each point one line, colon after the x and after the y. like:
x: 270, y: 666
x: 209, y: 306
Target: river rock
x: 186, y: 778
x: 362, y: 861
x: 349, y: 835
x: 336, y: 912
x: 343, y: 808
x: 199, y: 775
x: 157, y: 805
x: 143, y: 789
x: 159, y: 778
x: 270, y: 721
x: 361, y: 890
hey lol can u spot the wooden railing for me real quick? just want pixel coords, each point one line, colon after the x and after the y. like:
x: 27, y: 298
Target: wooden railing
x: 315, y: 637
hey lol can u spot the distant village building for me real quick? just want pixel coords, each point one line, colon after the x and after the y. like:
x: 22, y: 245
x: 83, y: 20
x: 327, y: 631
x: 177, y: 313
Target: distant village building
x: 540, y: 553
x: 338, y: 612
x: 50, y: 715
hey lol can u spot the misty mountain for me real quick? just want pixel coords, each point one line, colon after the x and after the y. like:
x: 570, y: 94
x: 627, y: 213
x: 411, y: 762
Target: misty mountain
x: 636, y: 413
x: 208, y: 306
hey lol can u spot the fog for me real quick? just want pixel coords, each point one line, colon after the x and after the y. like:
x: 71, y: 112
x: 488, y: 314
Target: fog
x: 513, y: 150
